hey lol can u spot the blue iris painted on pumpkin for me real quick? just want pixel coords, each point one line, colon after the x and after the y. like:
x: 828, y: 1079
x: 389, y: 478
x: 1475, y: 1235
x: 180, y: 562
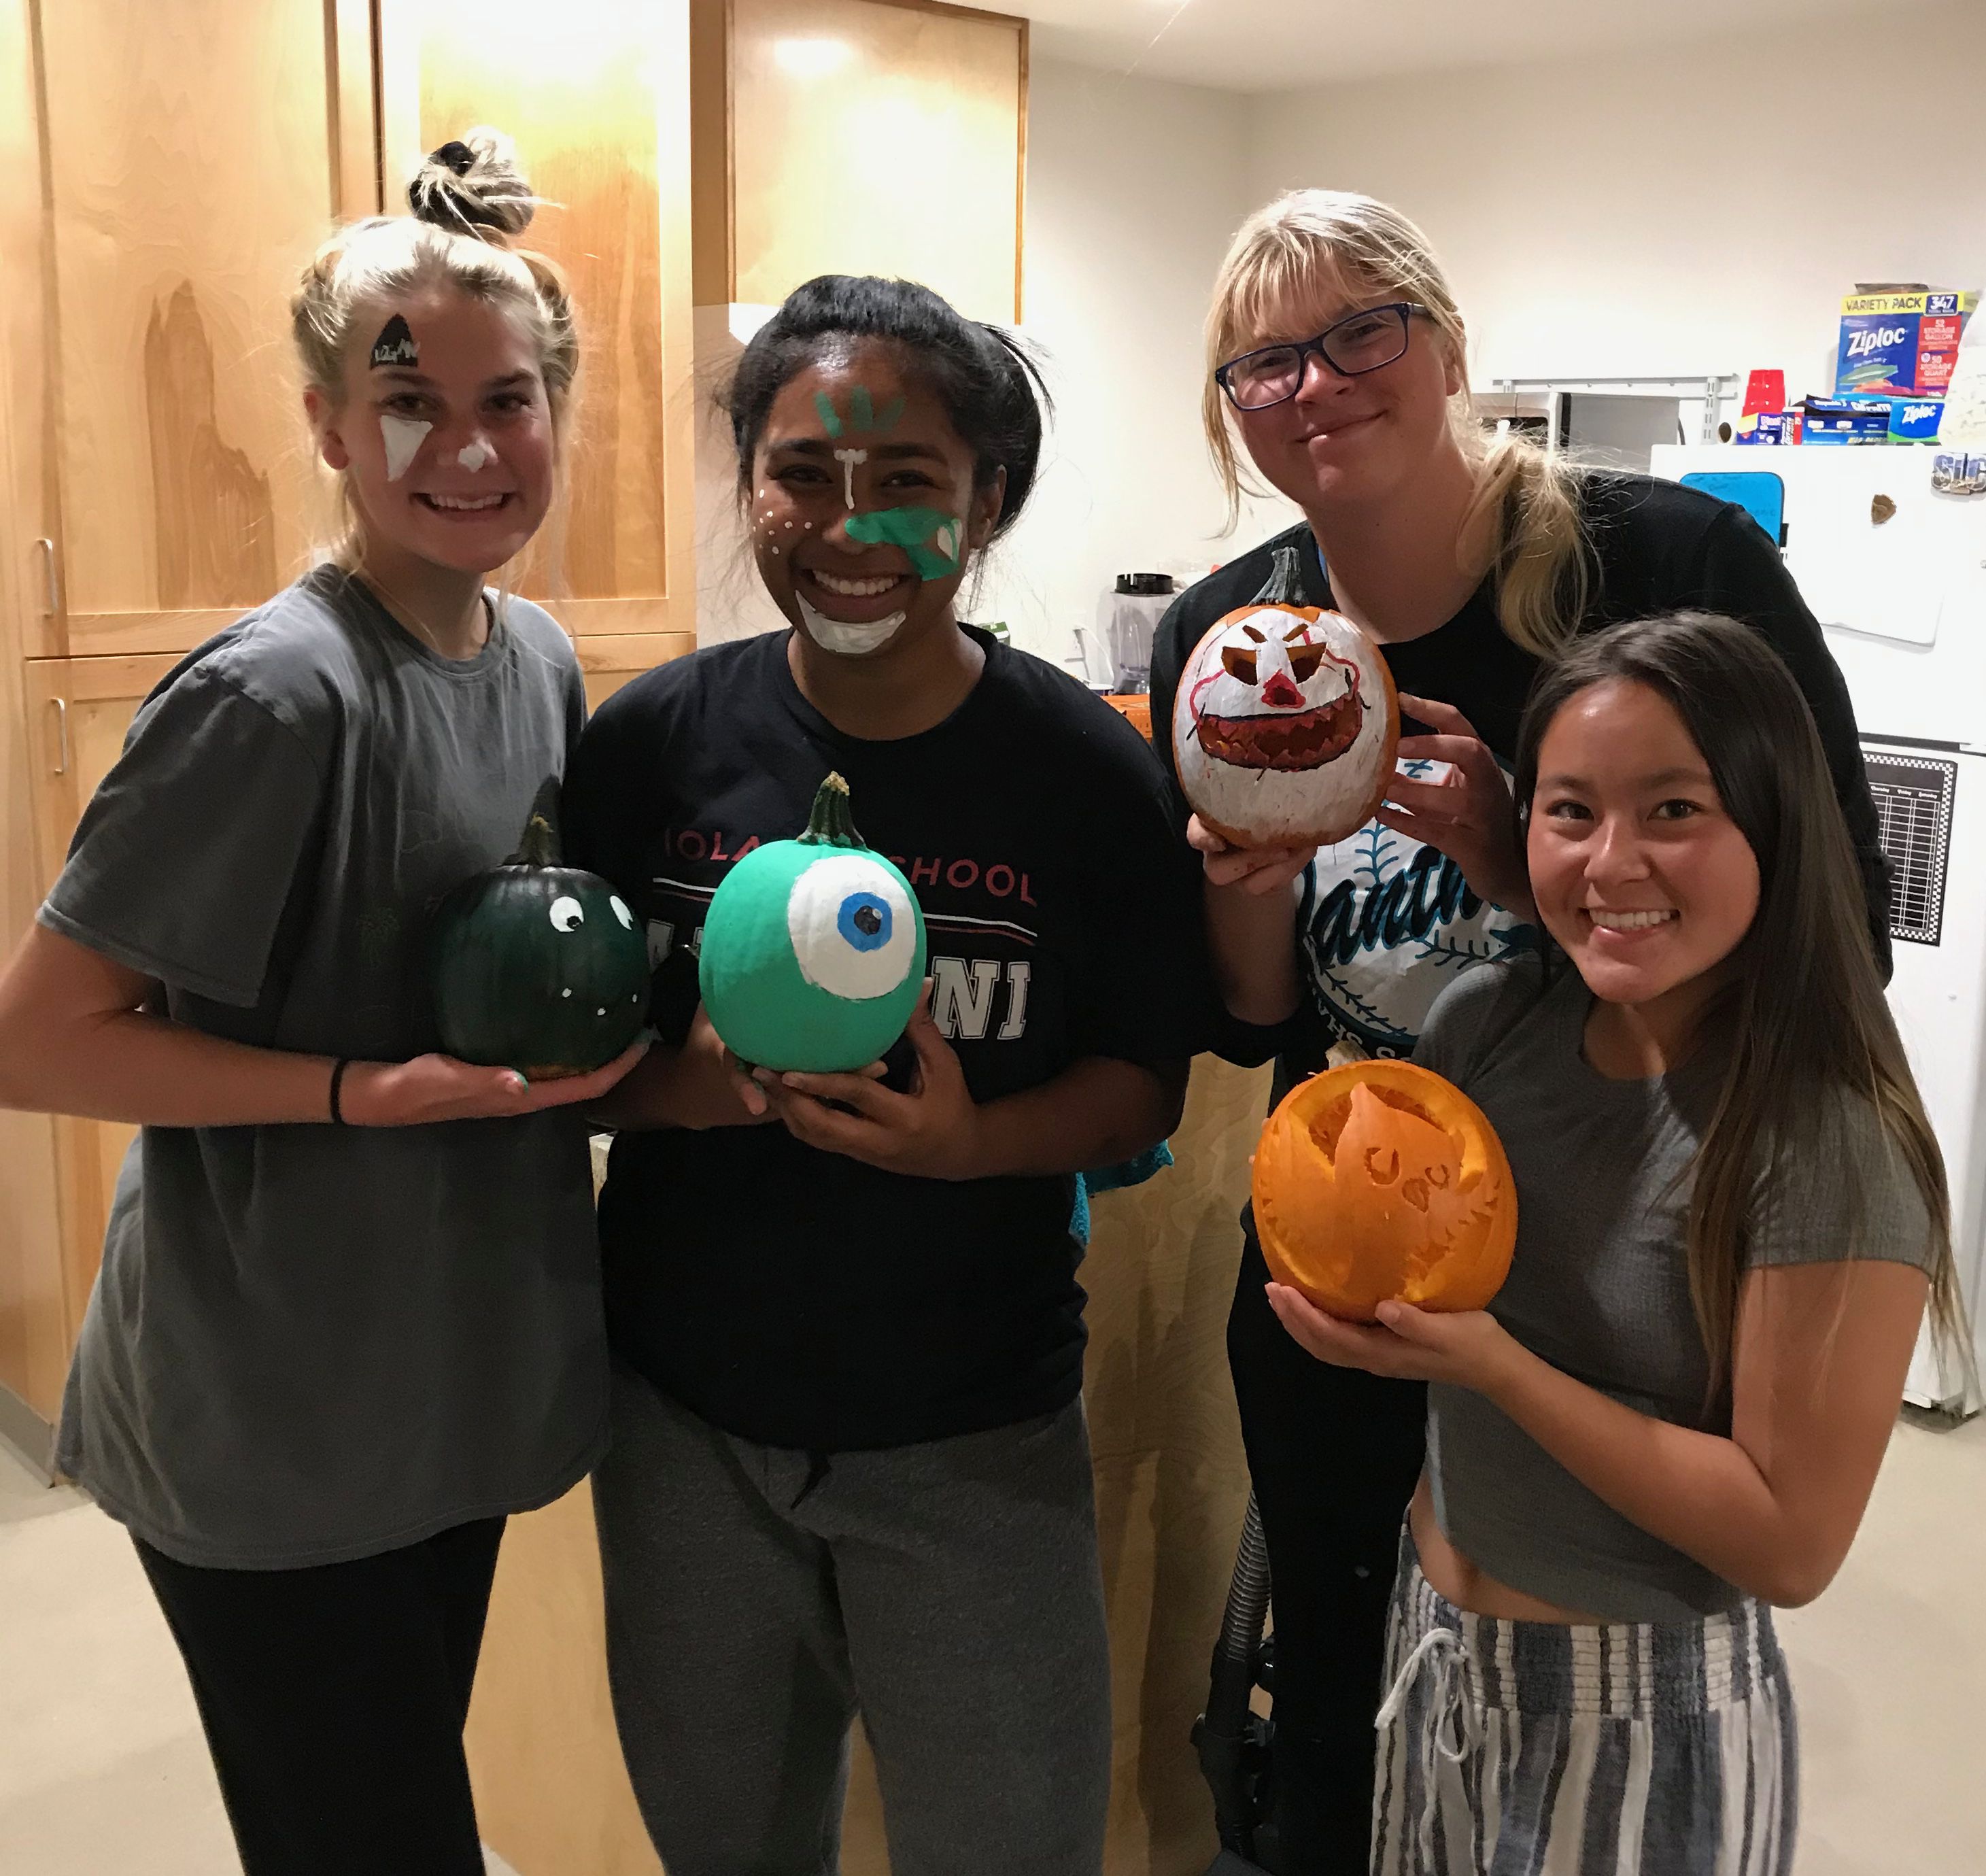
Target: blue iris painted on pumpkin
x: 865, y: 920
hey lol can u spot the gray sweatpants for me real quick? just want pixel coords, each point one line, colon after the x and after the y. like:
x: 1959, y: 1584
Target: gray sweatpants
x: 949, y: 1592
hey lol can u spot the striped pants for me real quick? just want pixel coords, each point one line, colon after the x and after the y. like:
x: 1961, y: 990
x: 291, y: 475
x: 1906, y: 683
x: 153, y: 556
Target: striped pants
x: 1534, y: 1748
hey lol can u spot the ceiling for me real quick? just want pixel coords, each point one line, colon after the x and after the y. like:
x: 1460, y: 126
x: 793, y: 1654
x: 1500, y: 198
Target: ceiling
x: 1278, y: 45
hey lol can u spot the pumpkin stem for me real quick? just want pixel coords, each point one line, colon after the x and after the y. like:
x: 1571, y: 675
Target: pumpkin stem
x: 1284, y: 585
x: 831, y: 823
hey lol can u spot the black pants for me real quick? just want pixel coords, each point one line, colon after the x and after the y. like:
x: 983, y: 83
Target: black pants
x: 334, y: 1700
x: 1335, y: 1454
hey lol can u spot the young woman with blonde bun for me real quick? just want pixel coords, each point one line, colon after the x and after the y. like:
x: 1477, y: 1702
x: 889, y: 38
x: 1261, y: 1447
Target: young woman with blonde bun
x: 349, y: 1316
x: 1338, y: 365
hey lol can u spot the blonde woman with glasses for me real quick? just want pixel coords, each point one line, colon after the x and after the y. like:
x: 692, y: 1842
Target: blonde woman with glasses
x: 1337, y: 360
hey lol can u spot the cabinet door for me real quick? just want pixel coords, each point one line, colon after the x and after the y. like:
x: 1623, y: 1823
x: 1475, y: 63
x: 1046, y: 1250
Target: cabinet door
x: 78, y: 711
x: 195, y: 156
x: 596, y: 94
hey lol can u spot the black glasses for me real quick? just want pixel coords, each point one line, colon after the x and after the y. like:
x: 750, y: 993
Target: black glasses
x: 1361, y: 341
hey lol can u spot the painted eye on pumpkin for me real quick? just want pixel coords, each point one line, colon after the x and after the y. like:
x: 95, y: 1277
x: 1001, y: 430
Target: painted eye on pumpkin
x: 566, y: 915
x: 853, y: 929
x: 1240, y: 662
x: 621, y: 911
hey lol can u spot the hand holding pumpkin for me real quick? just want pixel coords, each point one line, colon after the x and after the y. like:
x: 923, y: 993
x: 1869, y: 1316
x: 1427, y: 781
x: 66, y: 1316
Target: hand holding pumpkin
x: 433, y: 1088
x: 931, y: 1132
x: 1257, y: 871
x: 1465, y: 1348
x: 1467, y: 814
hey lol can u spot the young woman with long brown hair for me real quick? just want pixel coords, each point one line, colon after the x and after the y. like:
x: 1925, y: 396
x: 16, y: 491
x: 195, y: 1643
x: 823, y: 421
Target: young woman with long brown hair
x: 1732, y: 1211
x: 1337, y: 365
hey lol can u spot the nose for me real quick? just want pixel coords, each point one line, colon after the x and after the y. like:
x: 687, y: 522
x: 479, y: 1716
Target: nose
x: 1321, y: 378
x: 1616, y: 854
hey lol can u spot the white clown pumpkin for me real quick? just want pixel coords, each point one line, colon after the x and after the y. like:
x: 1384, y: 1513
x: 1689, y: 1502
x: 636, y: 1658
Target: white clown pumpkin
x: 1285, y: 723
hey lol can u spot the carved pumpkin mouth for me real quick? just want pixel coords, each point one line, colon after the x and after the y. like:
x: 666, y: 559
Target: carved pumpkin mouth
x: 1307, y: 740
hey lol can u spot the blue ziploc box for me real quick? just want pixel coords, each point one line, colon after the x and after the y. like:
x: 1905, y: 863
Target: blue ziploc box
x: 1902, y: 343
x: 1914, y: 420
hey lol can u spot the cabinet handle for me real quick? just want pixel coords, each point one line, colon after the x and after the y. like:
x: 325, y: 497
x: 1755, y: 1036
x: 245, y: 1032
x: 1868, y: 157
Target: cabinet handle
x: 52, y: 587
x: 62, y: 733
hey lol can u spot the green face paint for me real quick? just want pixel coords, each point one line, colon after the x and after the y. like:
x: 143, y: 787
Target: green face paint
x: 862, y: 414
x: 934, y: 540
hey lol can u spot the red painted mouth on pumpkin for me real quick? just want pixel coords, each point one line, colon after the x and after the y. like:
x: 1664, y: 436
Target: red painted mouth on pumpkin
x: 1307, y: 740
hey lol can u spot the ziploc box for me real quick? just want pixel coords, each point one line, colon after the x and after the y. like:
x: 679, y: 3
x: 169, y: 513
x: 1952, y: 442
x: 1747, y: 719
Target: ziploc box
x: 1904, y: 342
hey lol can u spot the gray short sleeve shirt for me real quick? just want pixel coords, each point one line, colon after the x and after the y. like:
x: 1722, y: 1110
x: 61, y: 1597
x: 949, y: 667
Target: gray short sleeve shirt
x: 1599, y: 1285
x: 307, y: 1343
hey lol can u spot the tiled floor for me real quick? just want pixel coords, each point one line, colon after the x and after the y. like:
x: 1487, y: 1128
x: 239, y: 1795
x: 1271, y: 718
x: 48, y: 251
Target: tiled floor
x: 101, y: 1768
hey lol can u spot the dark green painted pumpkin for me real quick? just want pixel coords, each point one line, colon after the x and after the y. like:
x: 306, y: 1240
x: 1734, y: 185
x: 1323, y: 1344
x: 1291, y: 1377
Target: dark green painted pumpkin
x: 812, y: 950
x: 537, y: 966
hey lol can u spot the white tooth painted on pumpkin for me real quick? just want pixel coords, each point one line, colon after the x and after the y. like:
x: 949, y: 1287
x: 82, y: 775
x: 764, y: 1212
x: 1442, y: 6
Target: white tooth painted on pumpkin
x: 473, y: 456
x: 403, y: 437
x: 848, y: 458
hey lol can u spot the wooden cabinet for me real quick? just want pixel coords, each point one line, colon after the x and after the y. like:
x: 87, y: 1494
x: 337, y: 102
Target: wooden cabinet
x: 165, y: 173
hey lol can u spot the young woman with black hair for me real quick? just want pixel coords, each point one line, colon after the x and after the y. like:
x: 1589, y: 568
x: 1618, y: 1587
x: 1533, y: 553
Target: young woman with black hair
x: 1731, y: 1214
x: 850, y: 1472
x: 1337, y: 363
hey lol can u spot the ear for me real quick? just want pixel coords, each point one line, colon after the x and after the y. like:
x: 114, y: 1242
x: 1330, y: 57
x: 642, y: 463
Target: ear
x: 1453, y: 374
x: 985, y: 511
x: 328, y: 424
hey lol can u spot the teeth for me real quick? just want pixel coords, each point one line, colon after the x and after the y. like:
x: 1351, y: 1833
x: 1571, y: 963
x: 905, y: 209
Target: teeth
x: 1628, y: 921
x: 466, y: 503
x: 855, y: 589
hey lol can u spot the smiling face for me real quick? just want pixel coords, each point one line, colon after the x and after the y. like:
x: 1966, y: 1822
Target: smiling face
x: 1283, y: 726
x: 1352, y: 441
x: 862, y: 512
x: 445, y: 433
x: 1639, y: 872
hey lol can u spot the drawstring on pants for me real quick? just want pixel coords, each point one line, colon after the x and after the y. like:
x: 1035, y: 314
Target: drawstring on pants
x: 1455, y: 1724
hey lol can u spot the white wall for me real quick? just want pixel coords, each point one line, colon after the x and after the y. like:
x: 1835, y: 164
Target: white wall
x: 1693, y: 211
x: 1134, y: 187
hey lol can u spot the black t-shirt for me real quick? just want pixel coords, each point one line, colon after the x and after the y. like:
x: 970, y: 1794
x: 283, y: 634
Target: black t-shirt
x: 1384, y: 924
x: 801, y: 1298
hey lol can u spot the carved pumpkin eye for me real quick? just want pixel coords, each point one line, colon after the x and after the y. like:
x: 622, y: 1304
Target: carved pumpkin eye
x: 1303, y: 662
x: 566, y: 915
x: 853, y: 931
x: 1240, y: 662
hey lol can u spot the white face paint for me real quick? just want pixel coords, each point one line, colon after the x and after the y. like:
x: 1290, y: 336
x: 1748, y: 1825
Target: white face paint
x: 403, y: 437
x: 848, y: 458
x: 851, y: 641
x: 475, y: 455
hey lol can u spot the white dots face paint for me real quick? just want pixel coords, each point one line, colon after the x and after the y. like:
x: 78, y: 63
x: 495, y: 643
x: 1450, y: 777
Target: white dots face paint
x: 475, y: 455
x: 403, y: 437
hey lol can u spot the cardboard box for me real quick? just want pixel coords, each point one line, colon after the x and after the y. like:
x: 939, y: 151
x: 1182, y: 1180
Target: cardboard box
x: 1845, y: 420
x: 1903, y: 343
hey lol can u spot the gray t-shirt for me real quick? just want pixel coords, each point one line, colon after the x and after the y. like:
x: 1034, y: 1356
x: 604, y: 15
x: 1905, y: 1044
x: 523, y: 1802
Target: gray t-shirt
x: 1600, y: 1286
x: 308, y: 1344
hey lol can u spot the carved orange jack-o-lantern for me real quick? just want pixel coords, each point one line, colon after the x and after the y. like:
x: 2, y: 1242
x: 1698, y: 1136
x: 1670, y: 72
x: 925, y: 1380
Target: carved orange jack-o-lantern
x: 1380, y: 1179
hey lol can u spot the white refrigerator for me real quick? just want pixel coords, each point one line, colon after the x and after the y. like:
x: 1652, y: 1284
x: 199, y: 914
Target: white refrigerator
x: 1896, y: 573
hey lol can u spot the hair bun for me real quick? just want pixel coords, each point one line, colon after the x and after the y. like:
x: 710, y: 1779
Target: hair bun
x: 472, y: 185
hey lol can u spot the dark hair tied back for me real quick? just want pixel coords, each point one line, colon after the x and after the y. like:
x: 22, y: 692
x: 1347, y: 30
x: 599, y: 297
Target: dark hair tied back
x: 472, y: 185
x: 991, y: 389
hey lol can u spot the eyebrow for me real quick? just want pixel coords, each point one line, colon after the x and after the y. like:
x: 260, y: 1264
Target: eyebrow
x: 399, y: 374
x: 880, y: 452
x: 1662, y: 778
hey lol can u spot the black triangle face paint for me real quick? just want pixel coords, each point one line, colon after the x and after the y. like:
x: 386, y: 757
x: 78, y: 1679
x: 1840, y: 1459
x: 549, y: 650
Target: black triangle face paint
x: 395, y: 345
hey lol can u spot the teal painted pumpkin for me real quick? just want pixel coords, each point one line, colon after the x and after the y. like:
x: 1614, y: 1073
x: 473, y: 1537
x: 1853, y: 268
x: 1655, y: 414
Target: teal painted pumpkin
x: 813, y: 949
x: 537, y: 966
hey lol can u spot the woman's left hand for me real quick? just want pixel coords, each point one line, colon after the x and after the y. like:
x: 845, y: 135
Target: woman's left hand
x: 1467, y: 814
x: 1465, y: 1348
x: 931, y: 1132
